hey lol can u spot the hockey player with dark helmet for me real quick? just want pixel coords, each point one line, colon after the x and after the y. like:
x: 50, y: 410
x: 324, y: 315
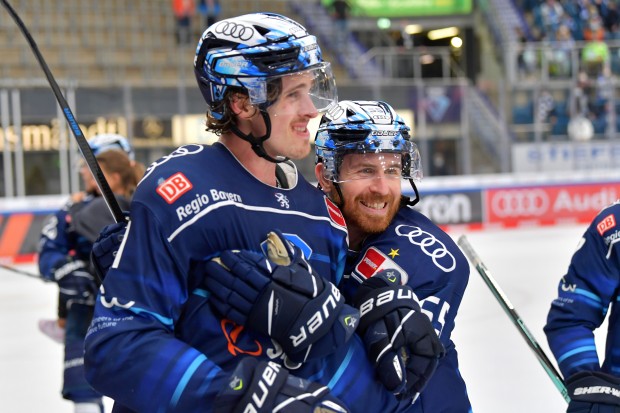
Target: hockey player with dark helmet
x: 363, y: 151
x: 230, y: 347
x: 366, y: 127
x: 254, y: 56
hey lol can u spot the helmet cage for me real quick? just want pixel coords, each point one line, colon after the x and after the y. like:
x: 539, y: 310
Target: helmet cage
x: 251, y: 51
x: 411, y: 165
x: 264, y: 91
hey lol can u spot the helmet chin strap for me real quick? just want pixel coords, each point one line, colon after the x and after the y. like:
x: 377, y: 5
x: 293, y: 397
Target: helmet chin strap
x: 339, y: 191
x: 413, y: 201
x: 257, y: 143
x: 404, y: 200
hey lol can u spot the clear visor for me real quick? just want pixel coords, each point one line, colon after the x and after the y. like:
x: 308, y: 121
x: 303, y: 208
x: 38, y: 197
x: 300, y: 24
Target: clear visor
x: 312, y: 90
x: 367, y: 163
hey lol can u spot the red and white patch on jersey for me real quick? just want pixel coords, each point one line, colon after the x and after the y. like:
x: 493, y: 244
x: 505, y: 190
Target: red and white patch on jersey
x: 175, y: 186
x: 334, y: 213
x: 375, y: 261
x: 608, y: 222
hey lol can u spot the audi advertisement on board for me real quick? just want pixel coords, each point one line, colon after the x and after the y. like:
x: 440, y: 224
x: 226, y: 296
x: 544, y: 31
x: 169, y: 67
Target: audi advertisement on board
x: 517, y: 206
x: 472, y: 207
x: 548, y: 205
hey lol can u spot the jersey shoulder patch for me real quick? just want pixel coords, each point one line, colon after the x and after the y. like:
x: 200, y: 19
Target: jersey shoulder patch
x: 374, y: 261
x: 173, y: 187
x: 606, y: 224
x: 334, y: 213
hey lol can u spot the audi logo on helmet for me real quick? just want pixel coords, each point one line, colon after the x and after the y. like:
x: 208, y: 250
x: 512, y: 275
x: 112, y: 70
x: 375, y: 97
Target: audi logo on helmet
x: 234, y: 30
x: 519, y: 202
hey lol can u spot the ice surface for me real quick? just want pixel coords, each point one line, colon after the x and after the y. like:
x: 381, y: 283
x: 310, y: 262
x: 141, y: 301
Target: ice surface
x: 502, y: 374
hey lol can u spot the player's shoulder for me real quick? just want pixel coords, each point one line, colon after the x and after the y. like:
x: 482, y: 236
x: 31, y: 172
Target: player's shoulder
x: 411, y: 234
x: 179, y: 169
x: 611, y: 209
x: 316, y: 202
x: 607, y: 220
x: 182, y: 158
x: 410, y: 223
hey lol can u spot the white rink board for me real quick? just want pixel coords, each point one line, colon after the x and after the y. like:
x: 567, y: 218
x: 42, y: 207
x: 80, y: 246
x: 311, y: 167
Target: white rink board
x: 501, y: 371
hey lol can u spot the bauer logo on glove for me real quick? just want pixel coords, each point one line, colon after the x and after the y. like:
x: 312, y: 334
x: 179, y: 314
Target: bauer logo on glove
x: 265, y: 387
x: 400, y: 340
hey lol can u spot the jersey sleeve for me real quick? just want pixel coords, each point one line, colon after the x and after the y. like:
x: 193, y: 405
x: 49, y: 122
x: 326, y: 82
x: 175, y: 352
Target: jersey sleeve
x: 53, y: 244
x: 584, y: 296
x: 441, y: 304
x: 132, y: 354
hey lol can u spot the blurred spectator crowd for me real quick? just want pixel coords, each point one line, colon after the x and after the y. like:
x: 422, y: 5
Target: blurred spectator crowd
x: 578, y: 42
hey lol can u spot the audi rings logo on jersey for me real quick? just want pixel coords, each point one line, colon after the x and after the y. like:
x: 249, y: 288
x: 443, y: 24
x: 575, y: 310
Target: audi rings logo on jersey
x: 234, y: 30
x: 519, y: 202
x: 431, y: 246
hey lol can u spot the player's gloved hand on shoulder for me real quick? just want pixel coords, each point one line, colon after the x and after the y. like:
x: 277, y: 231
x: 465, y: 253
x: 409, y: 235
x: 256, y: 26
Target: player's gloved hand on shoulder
x: 281, y: 297
x: 105, y: 247
x: 399, y: 338
x: 265, y: 387
x: 76, y: 284
x: 593, y: 392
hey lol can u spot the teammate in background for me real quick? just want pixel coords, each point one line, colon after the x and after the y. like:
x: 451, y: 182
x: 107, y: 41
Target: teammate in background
x: 363, y: 150
x: 64, y: 255
x: 55, y: 329
x: 586, y: 294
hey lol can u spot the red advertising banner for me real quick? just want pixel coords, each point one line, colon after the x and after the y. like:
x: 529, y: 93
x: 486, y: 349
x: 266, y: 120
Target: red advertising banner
x: 547, y: 205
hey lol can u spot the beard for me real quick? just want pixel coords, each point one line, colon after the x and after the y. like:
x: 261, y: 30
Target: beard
x: 367, y: 223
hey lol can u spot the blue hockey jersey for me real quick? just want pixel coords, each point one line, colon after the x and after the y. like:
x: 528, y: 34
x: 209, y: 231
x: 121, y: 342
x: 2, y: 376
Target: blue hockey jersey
x: 155, y: 344
x: 438, y: 273
x: 586, y: 294
x: 60, y: 242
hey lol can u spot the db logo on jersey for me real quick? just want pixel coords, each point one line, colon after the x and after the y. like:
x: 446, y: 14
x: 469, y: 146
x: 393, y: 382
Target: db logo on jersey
x: 608, y: 222
x: 175, y: 186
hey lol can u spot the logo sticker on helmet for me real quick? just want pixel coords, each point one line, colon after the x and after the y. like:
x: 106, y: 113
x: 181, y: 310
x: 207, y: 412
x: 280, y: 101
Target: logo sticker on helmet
x: 234, y: 30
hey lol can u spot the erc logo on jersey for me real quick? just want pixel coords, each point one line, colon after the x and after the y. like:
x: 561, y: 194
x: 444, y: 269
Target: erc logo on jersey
x: 238, y: 340
x: 375, y: 261
x: 175, y: 186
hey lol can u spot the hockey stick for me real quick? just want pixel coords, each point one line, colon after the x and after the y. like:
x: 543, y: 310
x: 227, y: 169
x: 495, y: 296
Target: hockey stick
x: 87, y: 152
x: 22, y: 272
x: 514, y: 317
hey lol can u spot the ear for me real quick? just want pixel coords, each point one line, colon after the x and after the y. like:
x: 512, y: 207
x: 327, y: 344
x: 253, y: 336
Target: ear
x: 319, y: 173
x: 241, y: 106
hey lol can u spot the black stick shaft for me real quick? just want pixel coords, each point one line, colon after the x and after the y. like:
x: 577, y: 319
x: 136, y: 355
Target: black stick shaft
x: 21, y: 272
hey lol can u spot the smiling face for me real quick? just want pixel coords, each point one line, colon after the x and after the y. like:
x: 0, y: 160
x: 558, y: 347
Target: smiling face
x: 371, y: 187
x: 290, y: 115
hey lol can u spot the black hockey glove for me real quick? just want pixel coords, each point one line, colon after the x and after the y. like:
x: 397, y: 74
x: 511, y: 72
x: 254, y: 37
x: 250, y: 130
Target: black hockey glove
x: 288, y: 302
x: 399, y: 338
x: 593, y: 392
x: 265, y: 387
x: 76, y: 284
x: 104, y: 249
